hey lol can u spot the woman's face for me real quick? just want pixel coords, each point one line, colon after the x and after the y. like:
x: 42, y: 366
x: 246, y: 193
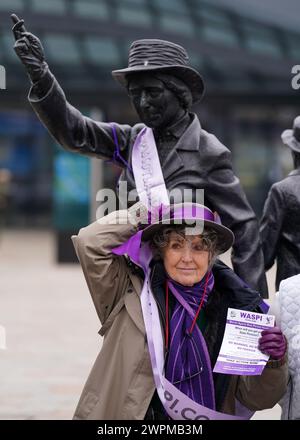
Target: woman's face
x: 185, y: 260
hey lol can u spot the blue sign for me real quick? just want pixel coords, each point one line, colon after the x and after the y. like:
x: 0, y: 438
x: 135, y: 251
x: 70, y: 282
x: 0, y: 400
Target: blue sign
x: 71, y: 191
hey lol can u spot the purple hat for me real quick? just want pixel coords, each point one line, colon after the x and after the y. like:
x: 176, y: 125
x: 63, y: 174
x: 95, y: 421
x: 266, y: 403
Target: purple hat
x: 164, y: 56
x: 291, y: 138
x: 189, y: 215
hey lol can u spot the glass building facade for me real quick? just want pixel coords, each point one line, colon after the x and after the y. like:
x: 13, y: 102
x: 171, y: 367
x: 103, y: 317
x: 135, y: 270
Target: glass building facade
x: 246, y: 65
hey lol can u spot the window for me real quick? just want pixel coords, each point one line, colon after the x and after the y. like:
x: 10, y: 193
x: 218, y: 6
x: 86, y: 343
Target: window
x: 7, y: 42
x: 177, y: 24
x: 102, y: 51
x: 215, y: 26
x: 261, y: 40
x: 233, y: 76
x: 124, y: 47
x: 196, y: 60
x: 134, y: 16
x: 49, y: 7
x: 92, y: 9
x: 11, y: 5
x: 62, y: 49
x: 293, y: 42
x: 220, y: 35
x: 215, y: 15
x: 134, y: 2
x: 170, y: 5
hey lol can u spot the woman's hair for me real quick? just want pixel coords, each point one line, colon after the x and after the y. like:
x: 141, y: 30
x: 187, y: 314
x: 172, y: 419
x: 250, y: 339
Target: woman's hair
x: 160, y: 240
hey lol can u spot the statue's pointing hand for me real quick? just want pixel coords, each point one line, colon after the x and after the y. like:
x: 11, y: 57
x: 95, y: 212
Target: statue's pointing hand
x: 29, y: 49
x: 18, y: 27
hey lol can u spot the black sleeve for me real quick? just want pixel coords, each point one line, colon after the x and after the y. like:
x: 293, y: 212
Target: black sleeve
x: 271, y: 224
x: 71, y: 129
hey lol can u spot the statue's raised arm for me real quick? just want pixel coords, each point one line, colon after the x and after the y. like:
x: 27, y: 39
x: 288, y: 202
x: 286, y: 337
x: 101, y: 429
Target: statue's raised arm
x: 70, y: 128
x: 29, y: 49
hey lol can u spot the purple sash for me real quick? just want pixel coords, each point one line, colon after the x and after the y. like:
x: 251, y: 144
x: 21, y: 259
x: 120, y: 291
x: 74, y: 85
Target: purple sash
x: 147, y: 171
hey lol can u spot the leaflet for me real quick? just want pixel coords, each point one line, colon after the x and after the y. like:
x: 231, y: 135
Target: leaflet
x: 239, y: 353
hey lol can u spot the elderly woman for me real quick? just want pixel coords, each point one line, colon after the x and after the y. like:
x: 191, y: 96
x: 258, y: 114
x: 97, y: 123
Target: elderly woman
x: 162, y: 300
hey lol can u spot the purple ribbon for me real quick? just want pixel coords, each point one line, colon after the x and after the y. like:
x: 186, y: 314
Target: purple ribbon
x: 117, y: 154
x: 132, y: 246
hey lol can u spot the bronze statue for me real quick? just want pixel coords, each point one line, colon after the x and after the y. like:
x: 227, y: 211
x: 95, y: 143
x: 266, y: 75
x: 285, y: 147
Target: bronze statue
x: 162, y: 87
x: 280, y: 223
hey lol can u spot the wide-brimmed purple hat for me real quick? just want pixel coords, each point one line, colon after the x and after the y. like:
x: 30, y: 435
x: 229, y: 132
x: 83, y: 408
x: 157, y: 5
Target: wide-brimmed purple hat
x: 291, y: 138
x: 189, y: 214
x: 165, y: 56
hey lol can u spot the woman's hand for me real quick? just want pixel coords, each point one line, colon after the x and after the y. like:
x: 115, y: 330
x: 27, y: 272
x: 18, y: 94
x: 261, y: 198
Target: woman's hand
x: 273, y: 343
x: 138, y: 214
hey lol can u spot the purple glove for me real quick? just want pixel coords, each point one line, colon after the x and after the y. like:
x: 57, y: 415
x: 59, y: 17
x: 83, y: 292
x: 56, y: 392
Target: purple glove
x: 273, y: 343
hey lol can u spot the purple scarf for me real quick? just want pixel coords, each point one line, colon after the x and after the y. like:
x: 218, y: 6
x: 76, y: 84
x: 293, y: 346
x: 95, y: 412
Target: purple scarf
x: 188, y: 365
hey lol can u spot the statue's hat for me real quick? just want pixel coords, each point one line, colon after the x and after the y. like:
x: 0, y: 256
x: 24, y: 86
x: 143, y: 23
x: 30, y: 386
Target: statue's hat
x: 163, y: 56
x: 291, y: 138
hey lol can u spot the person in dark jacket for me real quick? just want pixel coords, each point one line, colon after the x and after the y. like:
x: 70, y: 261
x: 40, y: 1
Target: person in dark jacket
x: 280, y: 222
x: 162, y: 87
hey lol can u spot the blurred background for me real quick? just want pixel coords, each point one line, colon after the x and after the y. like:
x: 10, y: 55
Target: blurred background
x: 245, y: 52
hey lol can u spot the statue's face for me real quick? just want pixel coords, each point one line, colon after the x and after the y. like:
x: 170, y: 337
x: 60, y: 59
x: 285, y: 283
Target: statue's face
x: 157, y: 106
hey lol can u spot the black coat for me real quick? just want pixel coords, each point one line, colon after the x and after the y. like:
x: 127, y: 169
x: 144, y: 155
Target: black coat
x: 280, y: 227
x: 198, y: 160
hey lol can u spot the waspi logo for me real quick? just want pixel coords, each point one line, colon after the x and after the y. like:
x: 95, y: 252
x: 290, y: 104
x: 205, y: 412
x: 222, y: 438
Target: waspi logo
x: 2, y: 77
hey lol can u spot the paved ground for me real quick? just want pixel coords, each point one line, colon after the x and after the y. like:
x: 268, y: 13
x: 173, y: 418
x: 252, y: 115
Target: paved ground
x: 51, y: 330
